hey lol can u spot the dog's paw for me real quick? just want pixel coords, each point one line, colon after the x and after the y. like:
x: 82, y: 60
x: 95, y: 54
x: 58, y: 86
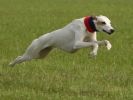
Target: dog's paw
x: 93, y: 54
x: 108, y: 44
x: 11, y: 64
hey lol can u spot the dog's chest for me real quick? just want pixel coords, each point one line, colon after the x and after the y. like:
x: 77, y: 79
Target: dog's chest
x: 88, y: 37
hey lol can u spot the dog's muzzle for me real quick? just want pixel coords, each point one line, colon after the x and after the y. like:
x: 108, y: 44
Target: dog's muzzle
x: 110, y: 32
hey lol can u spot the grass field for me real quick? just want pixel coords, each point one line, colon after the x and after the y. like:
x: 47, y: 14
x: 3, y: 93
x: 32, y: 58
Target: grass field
x: 63, y: 76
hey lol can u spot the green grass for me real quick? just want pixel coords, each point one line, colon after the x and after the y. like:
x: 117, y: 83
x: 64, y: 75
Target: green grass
x: 63, y: 76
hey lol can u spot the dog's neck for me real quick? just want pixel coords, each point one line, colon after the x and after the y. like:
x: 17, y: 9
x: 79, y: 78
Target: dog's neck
x: 89, y: 24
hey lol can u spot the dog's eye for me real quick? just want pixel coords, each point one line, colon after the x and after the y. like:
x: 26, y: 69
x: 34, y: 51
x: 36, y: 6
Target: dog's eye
x: 103, y: 23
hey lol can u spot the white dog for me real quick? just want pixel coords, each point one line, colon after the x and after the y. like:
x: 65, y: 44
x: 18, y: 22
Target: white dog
x: 80, y: 33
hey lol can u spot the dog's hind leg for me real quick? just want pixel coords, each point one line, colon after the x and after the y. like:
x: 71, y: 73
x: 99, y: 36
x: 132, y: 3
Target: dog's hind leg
x: 44, y: 52
x: 39, y: 48
x: 20, y: 59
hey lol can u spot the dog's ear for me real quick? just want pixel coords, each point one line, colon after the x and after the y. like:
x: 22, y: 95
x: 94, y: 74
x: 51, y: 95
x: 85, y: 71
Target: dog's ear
x: 94, y: 17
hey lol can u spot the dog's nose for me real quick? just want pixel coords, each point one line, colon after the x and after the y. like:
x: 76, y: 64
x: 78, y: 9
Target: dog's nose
x: 112, y: 30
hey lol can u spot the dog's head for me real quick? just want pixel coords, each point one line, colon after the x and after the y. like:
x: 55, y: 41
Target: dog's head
x: 102, y: 23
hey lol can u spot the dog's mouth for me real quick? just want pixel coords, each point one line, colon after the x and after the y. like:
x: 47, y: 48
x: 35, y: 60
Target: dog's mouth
x: 111, y: 31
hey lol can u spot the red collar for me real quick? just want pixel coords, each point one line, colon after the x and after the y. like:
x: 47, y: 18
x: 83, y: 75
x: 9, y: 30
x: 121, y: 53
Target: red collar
x: 89, y: 24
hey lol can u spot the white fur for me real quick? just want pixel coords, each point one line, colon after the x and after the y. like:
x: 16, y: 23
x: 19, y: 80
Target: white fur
x: 69, y: 38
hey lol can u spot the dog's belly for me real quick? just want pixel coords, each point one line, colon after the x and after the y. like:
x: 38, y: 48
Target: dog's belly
x: 64, y: 39
x: 66, y: 44
x: 67, y: 48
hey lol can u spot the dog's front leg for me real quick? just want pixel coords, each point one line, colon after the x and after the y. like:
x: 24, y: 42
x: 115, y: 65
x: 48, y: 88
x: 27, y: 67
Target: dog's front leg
x: 81, y: 44
x: 104, y: 43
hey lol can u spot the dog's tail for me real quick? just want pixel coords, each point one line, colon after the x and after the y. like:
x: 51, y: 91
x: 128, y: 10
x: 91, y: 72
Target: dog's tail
x: 19, y: 59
